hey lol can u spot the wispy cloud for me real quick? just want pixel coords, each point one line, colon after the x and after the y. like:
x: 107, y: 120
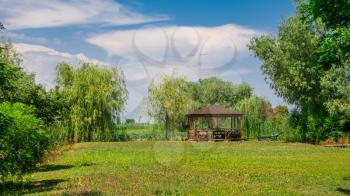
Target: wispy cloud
x: 20, y: 14
x: 186, y: 47
x: 154, y: 41
x: 42, y: 61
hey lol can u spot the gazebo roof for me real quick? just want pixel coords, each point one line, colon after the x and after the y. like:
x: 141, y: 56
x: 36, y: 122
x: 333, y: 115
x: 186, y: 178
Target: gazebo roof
x: 216, y: 110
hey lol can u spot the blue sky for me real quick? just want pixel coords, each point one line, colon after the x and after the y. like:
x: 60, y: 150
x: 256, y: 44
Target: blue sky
x: 198, y: 38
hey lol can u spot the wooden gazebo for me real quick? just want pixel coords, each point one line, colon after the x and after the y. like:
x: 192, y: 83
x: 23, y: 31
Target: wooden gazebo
x: 215, y: 123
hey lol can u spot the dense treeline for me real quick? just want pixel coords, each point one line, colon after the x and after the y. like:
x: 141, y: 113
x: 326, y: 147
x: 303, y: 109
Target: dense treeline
x: 170, y: 98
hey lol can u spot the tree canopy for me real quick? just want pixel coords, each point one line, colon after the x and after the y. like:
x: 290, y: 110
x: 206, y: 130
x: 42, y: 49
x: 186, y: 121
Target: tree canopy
x: 334, y: 13
x: 217, y: 91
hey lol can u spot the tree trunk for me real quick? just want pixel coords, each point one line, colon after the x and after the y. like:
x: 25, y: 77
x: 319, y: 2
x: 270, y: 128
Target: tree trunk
x: 167, y: 127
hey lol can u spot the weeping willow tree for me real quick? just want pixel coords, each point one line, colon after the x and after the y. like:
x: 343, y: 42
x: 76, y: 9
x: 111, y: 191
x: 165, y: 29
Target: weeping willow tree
x: 95, y: 95
x: 168, y: 103
x: 256, y: 111
x: 261, y: 119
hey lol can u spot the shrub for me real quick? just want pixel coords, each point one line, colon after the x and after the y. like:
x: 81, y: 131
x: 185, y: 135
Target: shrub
x: 57, y: 133
x: 22, y: 139
x: 130, y: 121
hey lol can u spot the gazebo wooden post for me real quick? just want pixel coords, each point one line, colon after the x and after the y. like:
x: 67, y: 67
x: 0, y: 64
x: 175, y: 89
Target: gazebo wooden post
x: 195, y: 129
x: 241, y: 124
x: 189, y: 128
x: 231, y: 124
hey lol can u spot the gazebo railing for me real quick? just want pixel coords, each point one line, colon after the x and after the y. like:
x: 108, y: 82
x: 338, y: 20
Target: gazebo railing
x: 217, y: 134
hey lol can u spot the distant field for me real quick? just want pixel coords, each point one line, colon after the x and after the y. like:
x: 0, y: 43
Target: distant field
x: 183, y: 168
x: 147, y: 133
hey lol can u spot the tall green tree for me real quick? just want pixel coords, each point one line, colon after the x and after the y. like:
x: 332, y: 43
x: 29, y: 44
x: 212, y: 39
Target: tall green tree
x: 18, y: 86
x: 96, y: 95
x: 288, y: 61
x: 168, y: 102
x: 10, y: 71
x: 333, y: 54
x: 307, y: 65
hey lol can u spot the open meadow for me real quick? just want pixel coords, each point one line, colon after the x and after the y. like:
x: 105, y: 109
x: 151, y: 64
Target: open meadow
x: 184, y: 168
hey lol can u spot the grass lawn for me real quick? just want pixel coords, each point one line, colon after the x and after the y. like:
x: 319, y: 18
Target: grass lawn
x: 184, y: 168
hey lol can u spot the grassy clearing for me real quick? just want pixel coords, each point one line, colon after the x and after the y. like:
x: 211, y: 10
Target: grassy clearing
x: 183, y: 168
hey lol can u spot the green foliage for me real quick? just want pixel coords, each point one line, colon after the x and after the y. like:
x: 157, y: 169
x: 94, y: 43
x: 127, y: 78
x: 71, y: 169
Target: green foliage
x: 58, y: 133
x: 22, y: 139
x: 261, y: 119
x: 130, y: 121
x: 132, y: 126
x: 18, y: 86
x: 9, y: 71
x: 334, y: 54
x: 334, y: 49
x: 48, y: 107
x: 255, y: 107
x: 217, y: 91
x: 95, y: 97
x: 334, y: 13
x: 288, y: 61
x: 119, y: 135
x: 168, y: 103
x: 307, y: 64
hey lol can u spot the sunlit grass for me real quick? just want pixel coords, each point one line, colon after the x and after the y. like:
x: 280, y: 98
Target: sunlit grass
x: 183, y: 168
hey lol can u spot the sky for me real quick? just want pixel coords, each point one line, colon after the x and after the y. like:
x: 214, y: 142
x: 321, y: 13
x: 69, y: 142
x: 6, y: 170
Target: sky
x: 147, y: 39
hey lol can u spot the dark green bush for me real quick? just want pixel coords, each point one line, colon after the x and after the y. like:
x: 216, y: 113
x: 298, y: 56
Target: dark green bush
x: 120, y: 136
x: 130, y: 121
x: 22, y: 139
x: 57, y: 133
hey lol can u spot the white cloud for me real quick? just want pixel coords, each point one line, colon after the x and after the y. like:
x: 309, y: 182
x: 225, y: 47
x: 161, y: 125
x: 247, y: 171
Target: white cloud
x: 19, y: 14
x: 42, y: 61
x: 155, y: 43
x: 156, y: 38
x: 159, y: 49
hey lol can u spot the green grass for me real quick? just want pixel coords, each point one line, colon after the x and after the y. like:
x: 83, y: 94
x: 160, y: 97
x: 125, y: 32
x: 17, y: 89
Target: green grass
x: 184, y: 168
